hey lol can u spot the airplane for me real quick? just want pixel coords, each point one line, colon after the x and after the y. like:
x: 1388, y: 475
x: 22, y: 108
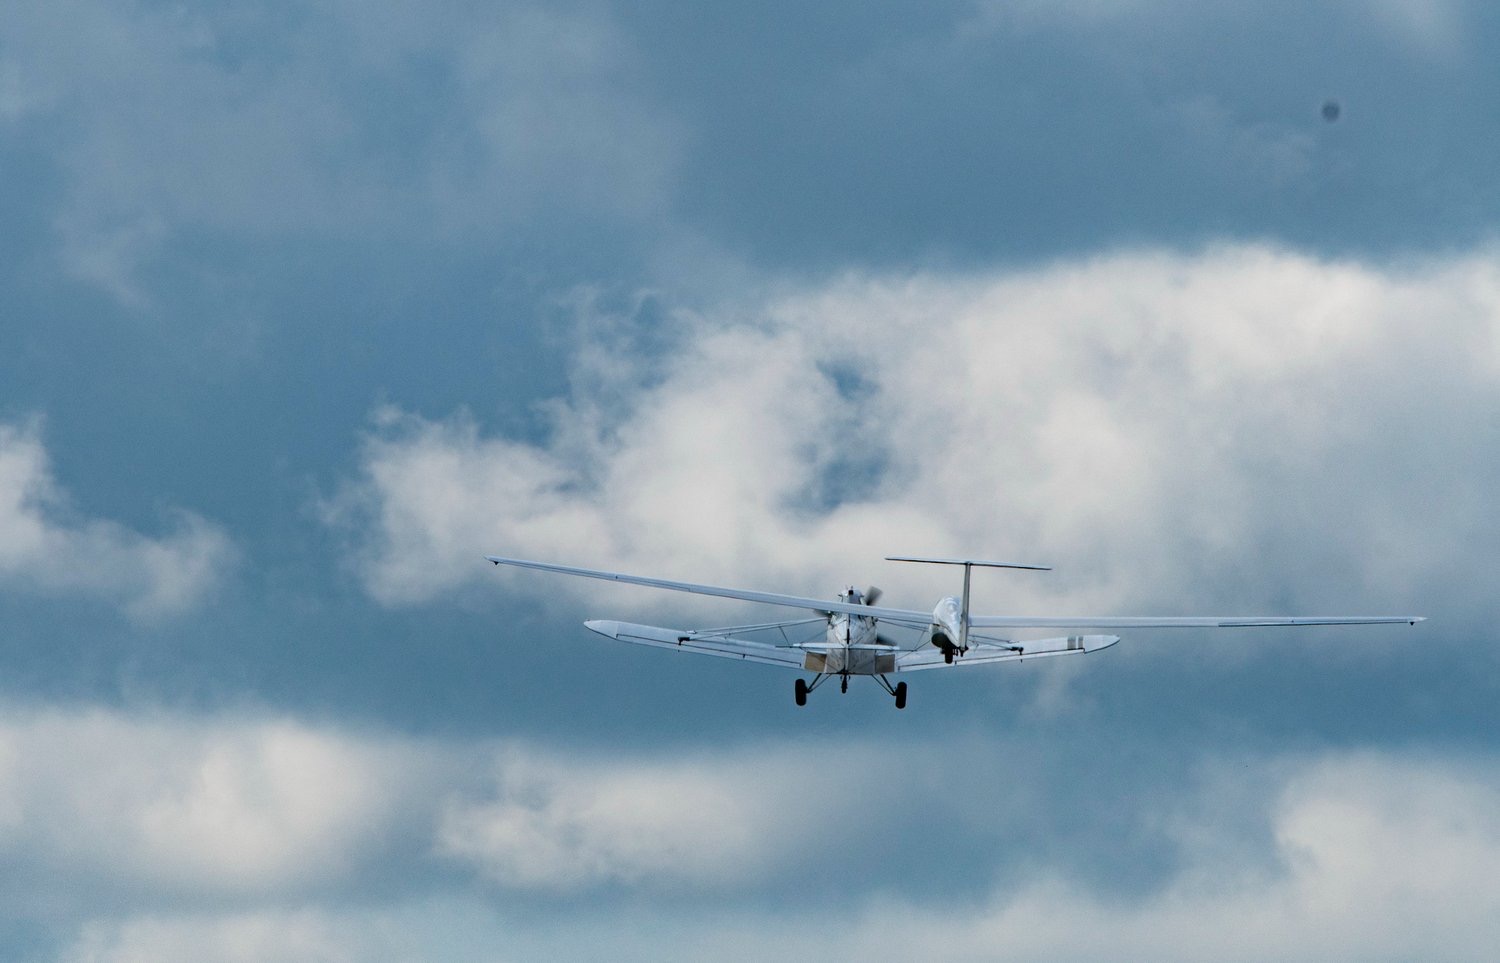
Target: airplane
x: 847, y: 641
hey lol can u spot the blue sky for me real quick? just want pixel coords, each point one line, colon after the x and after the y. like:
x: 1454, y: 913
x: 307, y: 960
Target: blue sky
x: 304, y: 308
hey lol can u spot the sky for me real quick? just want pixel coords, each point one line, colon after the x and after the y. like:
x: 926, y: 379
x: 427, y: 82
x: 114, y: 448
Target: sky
x: 304, y: 308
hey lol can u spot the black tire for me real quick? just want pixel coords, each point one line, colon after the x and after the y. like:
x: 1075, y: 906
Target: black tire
x: 801, y: 692
x: 901, y: 695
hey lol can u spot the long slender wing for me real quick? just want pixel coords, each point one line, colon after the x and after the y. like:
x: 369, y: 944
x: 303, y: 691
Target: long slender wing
x: 724, y: 646
x: 1178, y: 622
x: 769, y: 598
x: 984, y: 653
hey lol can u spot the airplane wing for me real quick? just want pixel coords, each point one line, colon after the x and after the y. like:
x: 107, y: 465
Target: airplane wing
x: 1179, y: 622
x: 984, y: 653
x: 706, y: 643
x: 825, y: 606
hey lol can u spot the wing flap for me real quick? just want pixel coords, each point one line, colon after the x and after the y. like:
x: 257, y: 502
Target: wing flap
x: 985, y: 653
x: 723, y: 646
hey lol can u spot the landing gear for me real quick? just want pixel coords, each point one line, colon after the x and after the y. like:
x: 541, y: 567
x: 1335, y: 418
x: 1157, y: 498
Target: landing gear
x: 804, y: 687
x: 898, y: 690
x: 948, y: 655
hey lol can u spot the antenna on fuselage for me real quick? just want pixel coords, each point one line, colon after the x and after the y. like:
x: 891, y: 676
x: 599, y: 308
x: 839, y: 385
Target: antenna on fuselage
x: 968, y: 564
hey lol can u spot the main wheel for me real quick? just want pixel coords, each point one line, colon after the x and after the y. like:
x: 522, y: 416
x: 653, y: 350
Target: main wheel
x: 901, y: 695
x: 801, y: 692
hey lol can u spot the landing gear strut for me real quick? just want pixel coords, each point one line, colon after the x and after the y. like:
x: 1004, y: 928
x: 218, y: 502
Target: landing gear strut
x: 804, y: 687
x: 898, y: 690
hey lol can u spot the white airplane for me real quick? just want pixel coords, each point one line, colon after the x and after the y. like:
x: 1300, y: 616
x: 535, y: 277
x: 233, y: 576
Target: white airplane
x: 847, y: 641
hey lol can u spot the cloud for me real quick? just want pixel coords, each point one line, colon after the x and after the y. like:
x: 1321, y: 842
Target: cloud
x: 1429, y: 27
x: 46, y: 546
x: 1380, y: 856
x: 267, y: 937
x: 216, y: 123
x: 185, y: 809
x: 160, y: 836
x: 1341, y: 855
x: 556, y: 826
x: 171, y: 812
x: 1434, y: 28
x: 1243, y: 428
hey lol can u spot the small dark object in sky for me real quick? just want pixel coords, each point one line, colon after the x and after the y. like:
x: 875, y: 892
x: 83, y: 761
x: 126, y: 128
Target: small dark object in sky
x: 1331, y: 110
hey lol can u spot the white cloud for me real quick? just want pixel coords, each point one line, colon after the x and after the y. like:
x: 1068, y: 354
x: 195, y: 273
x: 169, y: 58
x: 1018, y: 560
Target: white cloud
x: 46, y: 546
x: 170, y: 837
x: 1364, y: 855
x: 194, y: 808
x: 556, y: 825
x: 174, y: 813
x: 1244, y: 428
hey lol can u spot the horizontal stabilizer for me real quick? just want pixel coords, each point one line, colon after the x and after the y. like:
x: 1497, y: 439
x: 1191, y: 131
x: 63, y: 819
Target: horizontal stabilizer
x: 966, y: 561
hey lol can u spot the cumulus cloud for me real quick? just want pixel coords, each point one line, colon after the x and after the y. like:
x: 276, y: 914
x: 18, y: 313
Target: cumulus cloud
x: 178, y: 813
x: 46, y: 546
x: 1244, y: 428
x: 181, y: 807
x: 1380, y: 857
x: 563, y: 826
x: 164, y: 837
x: 1343, y: 855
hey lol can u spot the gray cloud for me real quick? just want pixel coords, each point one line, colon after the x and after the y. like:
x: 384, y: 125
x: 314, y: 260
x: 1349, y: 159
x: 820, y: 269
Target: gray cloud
x: 1363, y: 845
x: 249, y: 123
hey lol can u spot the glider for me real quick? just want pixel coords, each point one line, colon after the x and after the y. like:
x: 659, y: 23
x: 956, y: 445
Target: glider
x: 843, y: 637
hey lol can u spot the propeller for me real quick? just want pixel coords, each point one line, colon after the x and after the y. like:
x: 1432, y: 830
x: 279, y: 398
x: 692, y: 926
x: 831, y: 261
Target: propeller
x: 872, y: 595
